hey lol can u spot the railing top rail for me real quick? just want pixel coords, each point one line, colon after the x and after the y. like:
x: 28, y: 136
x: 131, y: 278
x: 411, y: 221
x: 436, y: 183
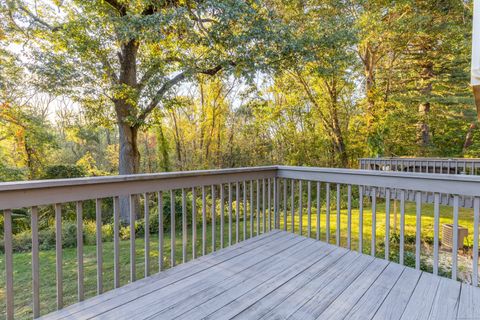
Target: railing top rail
x: 421, y: 159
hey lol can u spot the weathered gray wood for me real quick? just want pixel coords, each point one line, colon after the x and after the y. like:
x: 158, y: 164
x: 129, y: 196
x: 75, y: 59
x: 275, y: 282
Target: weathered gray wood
x: 396, y: 301
x: 476, y: 226
x: 421, y: 300
x: 349, y: 217
x: 172, y: 228
x: 132, y: 238
x: 237, y: 212
x: 58, y: 255
x: 7, y: 240
x: 469, y: 304
x: 292, y: 206
x: 455, y: 238
x: 402, y: 227
x: 222, y: 216
x: 184, y: 227
x: 373, y: 245
x: 146, y: 246
x: 309, y: 209
x: 269, y: 205
x: 319, y: 206
x: 80, y: 282
x: 338, y: 224
x: 99, y: 250
x: 285, y: 204
x: 445, y: 305
x: 436, y: 227
x: 418, y: 225
x: 360, y: 219
x: 244, y: 210
x: 387, y: 224
x: 116, y: 242
x: 300, y: 207
x: 204, y: 221
x: 327, y: 213
x: 166, y: 278
x: 214, y: 214
x: 35, y: 263
x: 258, y: 207
x: 147, y: 302
x: 344, y: 302
x: 194, y: 223
x: 161, y: 238
x: 229, y: 214
x: 251, y: 208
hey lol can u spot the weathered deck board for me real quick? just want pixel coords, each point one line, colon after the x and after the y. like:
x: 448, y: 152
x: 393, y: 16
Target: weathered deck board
x: 280, y: 275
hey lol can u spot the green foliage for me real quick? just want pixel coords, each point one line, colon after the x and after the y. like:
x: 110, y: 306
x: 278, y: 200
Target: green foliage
x: 63, y: 172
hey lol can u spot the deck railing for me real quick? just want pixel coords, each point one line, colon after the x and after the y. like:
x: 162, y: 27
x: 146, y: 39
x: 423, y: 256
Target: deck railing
x: 231, y: 205
x: 426, y: 165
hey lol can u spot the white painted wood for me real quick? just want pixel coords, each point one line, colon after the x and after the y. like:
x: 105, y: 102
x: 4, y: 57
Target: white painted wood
x: 161, y: 236
x: 292, y: 205
x: 146, y: 218
x: 132, y: 238
x: 99, y: 249
x: 285, y: 213
x: 251, y: 208
x: 7, y: 240
x: 35, y: 263
x: 300, y: 207
x: 275, y: 203
x: 258, y: 207
x: 80, y: 281
x: 269, y: 205
x: 230, y: 214
x: 455, y: 238
x: 237, y: 212
x: 319, y: 206
x: 436, y: 236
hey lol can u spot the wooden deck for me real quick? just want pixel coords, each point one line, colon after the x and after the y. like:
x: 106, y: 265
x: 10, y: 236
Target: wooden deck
x: 280, y: 275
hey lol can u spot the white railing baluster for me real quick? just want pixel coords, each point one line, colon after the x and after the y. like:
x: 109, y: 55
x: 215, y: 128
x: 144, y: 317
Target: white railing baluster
x: 309, y: 209
x: 402, y: 227
x: 327, y: 213
x: 455, y: 238
x: 436, y: 227
x: 338, y: 215
x: 229, y: 214
x: 476, y: 221
x: 244, y: 210
x: 172, y: 229
x: 237, y: 212
x: 319, y: 206
x: 285, y: 204
x: 35, y: 264
x: 184, y: 226
x: 132, y: 238
x: 98, y: 220
x: 418, y: 200
x: 251, y: 208
x: 349, y: 217
x: 292, y: 208
x: 374, y: 222
x: 161, y: 245
x: 360, y: 219
x: 194, y: 223
x: 80, y: 283
x: 214, y: 214
x: 59, y: 255
x: 387, y: 223
x: 146, y: 218
x: 300, y: 207
x: 222, y: 212
x: 7, y: 240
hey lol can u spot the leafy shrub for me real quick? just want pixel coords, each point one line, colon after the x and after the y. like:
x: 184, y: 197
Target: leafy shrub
x: 63, y: 172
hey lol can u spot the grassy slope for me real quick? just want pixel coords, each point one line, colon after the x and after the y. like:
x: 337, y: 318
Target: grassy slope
x: 22, y: 261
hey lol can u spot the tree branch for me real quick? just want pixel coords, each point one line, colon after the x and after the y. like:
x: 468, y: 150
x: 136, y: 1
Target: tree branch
x: 118, y: 6
x: 38, y: 19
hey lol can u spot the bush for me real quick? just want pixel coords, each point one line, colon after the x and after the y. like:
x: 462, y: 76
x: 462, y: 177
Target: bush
x: 63, y: 172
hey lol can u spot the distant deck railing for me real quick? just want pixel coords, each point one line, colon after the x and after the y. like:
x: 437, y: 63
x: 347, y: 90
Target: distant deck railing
x: 427, y: 165
x: 264, y: 198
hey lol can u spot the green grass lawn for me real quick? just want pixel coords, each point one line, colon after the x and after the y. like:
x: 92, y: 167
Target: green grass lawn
x: 22, y: 261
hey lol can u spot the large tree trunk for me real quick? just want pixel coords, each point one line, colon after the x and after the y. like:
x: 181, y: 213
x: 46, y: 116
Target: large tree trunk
x: 423, y: 129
